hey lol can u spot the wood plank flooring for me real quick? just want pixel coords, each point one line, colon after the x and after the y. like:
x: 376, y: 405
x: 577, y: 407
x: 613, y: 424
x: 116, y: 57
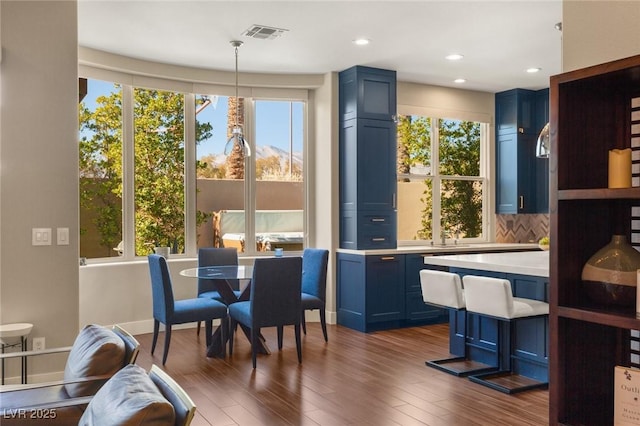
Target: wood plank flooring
x: 356, y: 379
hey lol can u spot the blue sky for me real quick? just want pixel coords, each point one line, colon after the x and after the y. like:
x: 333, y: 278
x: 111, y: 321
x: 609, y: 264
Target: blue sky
x: 272, y: 121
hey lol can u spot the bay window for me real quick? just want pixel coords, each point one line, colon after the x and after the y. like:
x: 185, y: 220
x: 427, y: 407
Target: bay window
x: 153, y: 171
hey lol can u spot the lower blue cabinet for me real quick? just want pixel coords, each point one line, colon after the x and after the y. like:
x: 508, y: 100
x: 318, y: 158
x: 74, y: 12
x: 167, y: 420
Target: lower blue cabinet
x: 381, y: 292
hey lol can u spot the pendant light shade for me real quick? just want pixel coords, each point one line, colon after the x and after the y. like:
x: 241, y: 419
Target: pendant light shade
x: 237, y: 136
x: 543, y: 146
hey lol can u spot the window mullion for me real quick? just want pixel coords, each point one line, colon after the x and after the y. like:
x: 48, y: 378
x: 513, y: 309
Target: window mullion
x: 190, y: 197
x: 128, y: 174
x: 249, y: 178
x: 435, y: 171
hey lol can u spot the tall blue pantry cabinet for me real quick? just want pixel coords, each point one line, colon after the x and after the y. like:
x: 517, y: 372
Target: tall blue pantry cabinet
x: 367, y: 158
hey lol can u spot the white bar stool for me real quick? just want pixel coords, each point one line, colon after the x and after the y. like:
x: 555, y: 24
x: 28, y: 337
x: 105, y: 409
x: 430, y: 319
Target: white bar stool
x: 9, y: 332
x: 444, y: 290
x: 492, y: 297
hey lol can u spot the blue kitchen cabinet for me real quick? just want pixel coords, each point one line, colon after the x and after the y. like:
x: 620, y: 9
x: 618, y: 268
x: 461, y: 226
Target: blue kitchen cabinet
x: 416, y: 311
x: 521, y: 179
x: 515, y: 111
x: 367, y: 155
x: 370, y: 291
x: 367, y: 92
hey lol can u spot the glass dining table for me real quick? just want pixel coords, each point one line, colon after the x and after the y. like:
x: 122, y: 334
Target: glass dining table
x: 222, y: 276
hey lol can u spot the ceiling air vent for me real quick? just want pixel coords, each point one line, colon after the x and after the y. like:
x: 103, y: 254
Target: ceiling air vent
x: 263, y: 32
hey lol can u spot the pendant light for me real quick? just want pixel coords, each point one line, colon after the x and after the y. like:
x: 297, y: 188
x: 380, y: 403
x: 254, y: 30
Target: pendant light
x: 542, y: 146
x: 237, y: 136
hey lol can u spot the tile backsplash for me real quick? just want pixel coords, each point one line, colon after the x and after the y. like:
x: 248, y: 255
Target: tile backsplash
x: 521, y: 228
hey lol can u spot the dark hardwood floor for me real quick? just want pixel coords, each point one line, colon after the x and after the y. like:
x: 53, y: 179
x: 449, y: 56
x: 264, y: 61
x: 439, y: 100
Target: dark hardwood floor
x: 356, y: 379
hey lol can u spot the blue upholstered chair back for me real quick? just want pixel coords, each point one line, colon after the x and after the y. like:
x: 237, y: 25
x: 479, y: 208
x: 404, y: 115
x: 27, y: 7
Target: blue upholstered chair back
x: 275, y: 291
x: 215, y: 256
x: 161, y: 289
x: 314, y: 272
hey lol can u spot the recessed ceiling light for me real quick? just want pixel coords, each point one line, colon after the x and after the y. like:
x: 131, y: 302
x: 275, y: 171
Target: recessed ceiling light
x: 454, y: 57
x: 533, y: 70
x: 361, y: 41
x: 459, y: 80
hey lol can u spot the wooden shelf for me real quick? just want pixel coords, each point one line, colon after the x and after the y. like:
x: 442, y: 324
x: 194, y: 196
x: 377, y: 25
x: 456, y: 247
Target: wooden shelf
x: 599, y: 193
x: 614, y: 317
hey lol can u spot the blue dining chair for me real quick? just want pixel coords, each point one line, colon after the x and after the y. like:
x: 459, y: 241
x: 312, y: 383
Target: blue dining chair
x: 274, y: 301
x: 168, y: 311
x: 216, y: 256
x: 314, y: 285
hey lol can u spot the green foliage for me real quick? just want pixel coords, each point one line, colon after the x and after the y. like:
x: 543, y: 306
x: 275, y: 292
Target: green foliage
x: 459, y: 155
x: 158, y: 164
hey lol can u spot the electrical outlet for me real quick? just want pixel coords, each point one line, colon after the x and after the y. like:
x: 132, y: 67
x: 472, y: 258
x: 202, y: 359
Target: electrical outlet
x: 38, y: 343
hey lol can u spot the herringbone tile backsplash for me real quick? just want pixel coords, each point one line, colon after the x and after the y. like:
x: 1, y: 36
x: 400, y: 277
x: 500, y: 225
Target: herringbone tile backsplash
x: 521, y: 228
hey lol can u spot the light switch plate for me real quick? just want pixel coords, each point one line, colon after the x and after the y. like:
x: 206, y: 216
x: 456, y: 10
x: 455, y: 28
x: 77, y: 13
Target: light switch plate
x: 41, y: 236
x: 63, y: 236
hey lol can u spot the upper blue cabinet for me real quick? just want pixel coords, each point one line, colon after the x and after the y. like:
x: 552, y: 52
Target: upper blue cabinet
x: 367, y: 93
x: 367, y: 158
x: 522, y: 179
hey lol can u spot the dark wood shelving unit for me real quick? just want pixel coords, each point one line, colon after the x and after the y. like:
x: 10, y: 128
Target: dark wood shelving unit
x: 591, y: 112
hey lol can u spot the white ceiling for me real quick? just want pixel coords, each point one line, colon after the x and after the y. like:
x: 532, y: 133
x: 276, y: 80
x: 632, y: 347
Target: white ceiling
x: 499, y: 39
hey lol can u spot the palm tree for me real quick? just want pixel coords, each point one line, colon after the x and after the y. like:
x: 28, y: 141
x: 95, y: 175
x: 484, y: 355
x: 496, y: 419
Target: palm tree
x: 235, y: 160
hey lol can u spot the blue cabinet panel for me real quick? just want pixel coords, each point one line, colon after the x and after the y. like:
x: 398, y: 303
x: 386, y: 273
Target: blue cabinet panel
x: 367, y: 92
x: 515, y: 111
x: 385, y: 288
x: 351, y: 290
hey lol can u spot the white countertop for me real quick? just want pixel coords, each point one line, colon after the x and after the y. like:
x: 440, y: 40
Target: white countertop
x: 535, y: 263
x: 449, y: 248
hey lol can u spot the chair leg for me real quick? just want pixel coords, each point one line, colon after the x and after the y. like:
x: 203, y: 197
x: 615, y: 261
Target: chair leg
x: 255, y: 332
x: 156, y: 330
x: 232, y: 329
x: 198, y: 329
x: 298, y: 343
x: 323, y: 323
x: 303, y: 323
x: 224, y: 329
x: 280, y: 333
x: 167, y: 341
x: 208, y: 329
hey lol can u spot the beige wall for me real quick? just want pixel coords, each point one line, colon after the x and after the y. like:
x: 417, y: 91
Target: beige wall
x: 39, y: 169
x: 594, y: 32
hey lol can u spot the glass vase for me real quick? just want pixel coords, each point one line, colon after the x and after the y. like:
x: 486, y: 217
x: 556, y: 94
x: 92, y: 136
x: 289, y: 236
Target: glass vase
x: 610, y: 275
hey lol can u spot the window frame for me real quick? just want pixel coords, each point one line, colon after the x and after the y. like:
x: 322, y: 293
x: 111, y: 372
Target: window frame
x: 437, y: 178
x: 128, y: 83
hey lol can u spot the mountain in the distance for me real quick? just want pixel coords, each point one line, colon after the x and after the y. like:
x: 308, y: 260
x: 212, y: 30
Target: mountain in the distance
x: 266, y: 151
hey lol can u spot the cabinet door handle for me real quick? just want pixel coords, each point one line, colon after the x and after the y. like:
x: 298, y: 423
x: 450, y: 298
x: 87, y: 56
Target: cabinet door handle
x: 379, y: 239
x: 521, y: 201
x: 378, y: 219
x: 394, y: 201
x: 388, y: 258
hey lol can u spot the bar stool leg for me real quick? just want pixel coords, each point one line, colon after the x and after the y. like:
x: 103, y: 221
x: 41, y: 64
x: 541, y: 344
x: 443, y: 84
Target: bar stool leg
x: 23, y: 340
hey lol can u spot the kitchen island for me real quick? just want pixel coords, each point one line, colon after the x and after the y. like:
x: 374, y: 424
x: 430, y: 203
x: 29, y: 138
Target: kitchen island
x: 534, y: 263
x: 528, y: 273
